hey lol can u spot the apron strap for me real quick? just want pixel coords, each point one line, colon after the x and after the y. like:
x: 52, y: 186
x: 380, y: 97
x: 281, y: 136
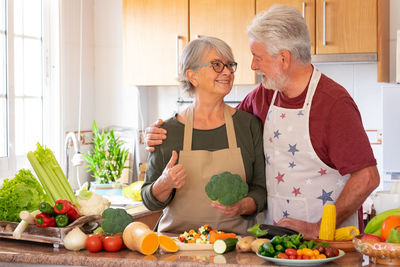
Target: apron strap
x: 230, y: 130
x: 187, y: 137
x: 188, y: 132
x: 314, y: 80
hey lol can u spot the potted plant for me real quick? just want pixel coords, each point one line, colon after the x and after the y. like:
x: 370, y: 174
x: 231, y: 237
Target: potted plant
x: 107, y: 158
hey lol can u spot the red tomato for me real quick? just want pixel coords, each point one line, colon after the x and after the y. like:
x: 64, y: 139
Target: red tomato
x: 306, y: 257
x: 299, y: 257
x: 387, y: 225
x: 93, y: 243
x: 291, y: 252
x: 282, y: 256
x: 293, y: 257
x: 112, y: 243
x: 101, y: 235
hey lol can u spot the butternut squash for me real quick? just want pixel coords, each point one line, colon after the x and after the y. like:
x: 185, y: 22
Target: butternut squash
x: 167, y: 244
x: 137, y: 236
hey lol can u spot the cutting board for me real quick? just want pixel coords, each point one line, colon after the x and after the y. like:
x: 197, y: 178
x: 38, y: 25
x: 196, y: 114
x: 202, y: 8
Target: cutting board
x: 193, y: 246
x: 52, y: 235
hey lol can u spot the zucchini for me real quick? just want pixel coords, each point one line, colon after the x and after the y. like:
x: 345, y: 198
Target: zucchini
x: 222, y: 246
x: 269, y: 231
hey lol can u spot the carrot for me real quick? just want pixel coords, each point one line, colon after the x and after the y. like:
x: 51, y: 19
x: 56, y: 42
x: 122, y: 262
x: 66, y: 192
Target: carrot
x: 214, y: 235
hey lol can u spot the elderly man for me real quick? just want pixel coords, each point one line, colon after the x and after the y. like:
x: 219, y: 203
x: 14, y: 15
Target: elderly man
x: 315, y: 146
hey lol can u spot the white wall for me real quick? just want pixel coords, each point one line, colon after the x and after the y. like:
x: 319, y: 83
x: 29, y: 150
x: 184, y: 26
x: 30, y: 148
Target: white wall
x: 69, y: 67
x: 115, y: 104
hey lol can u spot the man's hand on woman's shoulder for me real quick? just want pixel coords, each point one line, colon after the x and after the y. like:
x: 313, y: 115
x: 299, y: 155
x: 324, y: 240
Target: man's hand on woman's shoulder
x: 154, y: 135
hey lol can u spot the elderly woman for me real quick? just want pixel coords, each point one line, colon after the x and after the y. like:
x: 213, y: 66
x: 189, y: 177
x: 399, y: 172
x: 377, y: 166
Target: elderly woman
x: 210, y: 137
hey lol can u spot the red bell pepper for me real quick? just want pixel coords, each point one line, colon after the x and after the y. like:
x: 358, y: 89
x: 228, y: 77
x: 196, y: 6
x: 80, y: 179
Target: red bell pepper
x: 43, y: 220
x: 67, y: 207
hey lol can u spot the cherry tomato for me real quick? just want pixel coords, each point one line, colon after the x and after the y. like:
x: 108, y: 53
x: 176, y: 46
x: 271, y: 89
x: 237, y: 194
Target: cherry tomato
x: 112, y: 243
x: 306, y: 257
x: 387, y: 225
x: 93, y: 243
x: 291, y: 252
x: 293, y: 257
x: 282, y: 256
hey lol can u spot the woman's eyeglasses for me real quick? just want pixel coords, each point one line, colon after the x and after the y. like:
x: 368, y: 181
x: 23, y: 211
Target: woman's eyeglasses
x: 219, y: 66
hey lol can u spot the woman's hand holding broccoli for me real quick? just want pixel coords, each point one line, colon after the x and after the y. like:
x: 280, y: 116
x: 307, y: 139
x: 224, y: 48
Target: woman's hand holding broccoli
x: 244, y: 206
x: 173, y: 176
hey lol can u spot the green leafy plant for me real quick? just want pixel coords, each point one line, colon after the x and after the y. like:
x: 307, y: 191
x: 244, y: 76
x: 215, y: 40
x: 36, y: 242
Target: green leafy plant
x: 107, y: 158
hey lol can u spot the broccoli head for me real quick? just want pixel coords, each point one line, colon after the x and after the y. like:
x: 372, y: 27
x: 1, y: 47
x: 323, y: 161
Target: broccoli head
x: 115, y: 220
x: 226, y: 188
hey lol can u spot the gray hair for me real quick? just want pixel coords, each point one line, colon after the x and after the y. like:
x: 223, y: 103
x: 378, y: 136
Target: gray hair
x: 193, y: 54
x: 282, y: 27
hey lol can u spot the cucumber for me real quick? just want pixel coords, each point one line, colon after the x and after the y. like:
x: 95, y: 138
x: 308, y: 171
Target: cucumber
x: 222, y: 246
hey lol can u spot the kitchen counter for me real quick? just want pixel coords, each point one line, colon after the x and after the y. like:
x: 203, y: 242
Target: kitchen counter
x: 27, y: 252
x: 17, y: 251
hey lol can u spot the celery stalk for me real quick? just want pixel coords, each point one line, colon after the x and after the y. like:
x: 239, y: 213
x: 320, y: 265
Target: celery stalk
x: 64, y: 182
x: 41, y: 174
x: 52, y: 174
x: 58, y: 192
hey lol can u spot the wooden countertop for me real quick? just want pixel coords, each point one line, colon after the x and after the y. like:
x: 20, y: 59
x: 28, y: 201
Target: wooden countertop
x: 17, y: 251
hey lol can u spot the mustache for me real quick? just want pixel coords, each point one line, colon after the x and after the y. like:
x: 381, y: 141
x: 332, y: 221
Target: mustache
x: 259, y: 72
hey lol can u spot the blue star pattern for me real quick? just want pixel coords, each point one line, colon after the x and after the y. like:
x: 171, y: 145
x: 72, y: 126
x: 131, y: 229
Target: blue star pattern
x: 292, y: 164
x: 325, y: 197
x: 285, y: 213
x: 300, y: 113
x: 269, y: 113
x: 293, y: 149
x: 277, y: 134
x: 267, y: 160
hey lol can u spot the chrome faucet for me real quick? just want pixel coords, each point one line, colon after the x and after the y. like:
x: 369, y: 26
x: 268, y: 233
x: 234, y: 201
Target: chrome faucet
x: 77, y: 159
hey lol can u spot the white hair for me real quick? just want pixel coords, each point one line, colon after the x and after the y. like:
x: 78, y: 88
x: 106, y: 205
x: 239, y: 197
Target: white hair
x: 282, y: 28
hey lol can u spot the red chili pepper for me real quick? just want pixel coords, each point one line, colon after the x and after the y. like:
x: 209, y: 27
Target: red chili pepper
x: 43, y: 220
x: 66, y: 207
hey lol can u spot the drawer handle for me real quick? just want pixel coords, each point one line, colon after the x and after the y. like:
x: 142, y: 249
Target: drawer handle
x: 178, y: 37
x: 324, y: 23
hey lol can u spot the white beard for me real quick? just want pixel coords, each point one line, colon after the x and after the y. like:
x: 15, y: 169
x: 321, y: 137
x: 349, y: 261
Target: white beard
x: 277, y: 83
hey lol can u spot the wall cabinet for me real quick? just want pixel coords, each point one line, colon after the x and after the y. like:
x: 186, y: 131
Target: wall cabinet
x: 155, y: 31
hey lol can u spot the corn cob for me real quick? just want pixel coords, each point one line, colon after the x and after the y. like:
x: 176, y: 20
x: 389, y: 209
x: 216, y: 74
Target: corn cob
x: 346, y: 233
x: 328, y: 223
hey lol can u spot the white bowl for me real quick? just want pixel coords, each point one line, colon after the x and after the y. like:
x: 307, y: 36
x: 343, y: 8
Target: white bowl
x: 385, y: 200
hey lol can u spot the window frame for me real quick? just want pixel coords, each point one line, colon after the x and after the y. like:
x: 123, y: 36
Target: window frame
x: 51, y: 104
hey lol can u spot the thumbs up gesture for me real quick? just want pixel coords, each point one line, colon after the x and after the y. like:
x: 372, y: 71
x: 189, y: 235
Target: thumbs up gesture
x: 174, y: 174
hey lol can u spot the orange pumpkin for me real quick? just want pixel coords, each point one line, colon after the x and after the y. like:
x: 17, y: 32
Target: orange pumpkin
x: 387, y: 225
x: 138, y: 236
x: 167, y: 244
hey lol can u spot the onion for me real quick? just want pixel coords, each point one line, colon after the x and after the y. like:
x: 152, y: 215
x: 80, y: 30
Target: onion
x: 75, y: 239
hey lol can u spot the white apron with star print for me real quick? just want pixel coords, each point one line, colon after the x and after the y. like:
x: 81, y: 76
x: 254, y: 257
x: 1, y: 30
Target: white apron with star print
x: 299, y: 184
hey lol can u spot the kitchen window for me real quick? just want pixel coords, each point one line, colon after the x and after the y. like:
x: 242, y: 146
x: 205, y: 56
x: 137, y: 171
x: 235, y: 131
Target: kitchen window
x: 29, y: 87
